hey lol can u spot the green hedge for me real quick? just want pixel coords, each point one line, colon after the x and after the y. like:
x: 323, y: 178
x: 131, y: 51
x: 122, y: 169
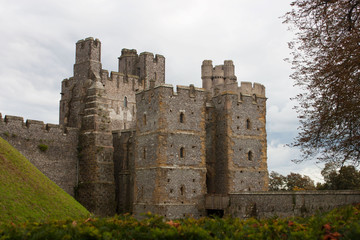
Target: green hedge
x: 342, y: 223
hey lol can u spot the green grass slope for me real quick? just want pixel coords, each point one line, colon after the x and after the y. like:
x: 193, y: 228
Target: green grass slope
x: 27, y: 194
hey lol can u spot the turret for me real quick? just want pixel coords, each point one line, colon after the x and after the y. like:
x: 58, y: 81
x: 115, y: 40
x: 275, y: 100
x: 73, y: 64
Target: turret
x: 128, y: 61
x: 88, y: 50
x: 152, y: 68
x: 206, y: 74
x: 88, y: 56
x: 87, y: 67
x: 229, y: 72
x: 147, y: 67
x: 218, y: 75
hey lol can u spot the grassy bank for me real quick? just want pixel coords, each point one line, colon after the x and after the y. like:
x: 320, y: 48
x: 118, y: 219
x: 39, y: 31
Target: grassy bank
x: 26, y: 194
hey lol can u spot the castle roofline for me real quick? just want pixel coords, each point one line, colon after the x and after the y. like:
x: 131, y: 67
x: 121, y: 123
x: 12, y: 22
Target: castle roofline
x: 88, y: 39
x: 178, y: 87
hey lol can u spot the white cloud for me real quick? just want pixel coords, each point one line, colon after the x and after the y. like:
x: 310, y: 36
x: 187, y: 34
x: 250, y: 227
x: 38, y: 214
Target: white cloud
x: 279, y: 160
x: 282, y: 119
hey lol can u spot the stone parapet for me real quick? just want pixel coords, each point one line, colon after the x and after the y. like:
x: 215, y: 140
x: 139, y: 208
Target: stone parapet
x: 249, y: 89
x: 16, y: 123
x: 288, y: 204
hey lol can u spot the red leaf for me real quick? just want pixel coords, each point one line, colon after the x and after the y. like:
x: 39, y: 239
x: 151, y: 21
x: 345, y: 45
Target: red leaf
x: 327, y: 227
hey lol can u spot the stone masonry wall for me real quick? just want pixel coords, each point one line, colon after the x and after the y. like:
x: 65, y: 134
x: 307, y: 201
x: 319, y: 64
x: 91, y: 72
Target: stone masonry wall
x: 170, y: 152
x: 236, y: 130
x: 221, y: 142
x: 120, y: 93
x: 124, y: 147
x: 211, y: 152
x: 96, y: 189
x: 59, y: 162
x: 287, y: 204
x: 247, y: 153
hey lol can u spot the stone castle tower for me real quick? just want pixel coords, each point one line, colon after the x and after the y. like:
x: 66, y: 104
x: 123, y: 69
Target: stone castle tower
x: 144, y: 147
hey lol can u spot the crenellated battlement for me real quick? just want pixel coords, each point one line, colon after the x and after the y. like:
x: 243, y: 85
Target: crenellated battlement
x: 181, y: 91
x: 128, y: 52
x: 88, y: 50
x: 250, y: 89
x: 157, y: 59
x: 218, y: 77
x: 147, y: 67
x: 17, y: 122
x: 115, y: 75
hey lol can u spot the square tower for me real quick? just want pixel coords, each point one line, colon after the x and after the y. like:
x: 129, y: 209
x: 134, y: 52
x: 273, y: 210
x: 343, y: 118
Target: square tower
x: 170, y: 168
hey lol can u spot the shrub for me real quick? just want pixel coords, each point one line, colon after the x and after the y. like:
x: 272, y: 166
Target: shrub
x: 43, y: 147
x: 341, y: 223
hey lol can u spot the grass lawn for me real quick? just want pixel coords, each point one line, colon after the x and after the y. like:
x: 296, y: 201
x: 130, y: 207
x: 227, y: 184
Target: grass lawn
x: 27, y: 194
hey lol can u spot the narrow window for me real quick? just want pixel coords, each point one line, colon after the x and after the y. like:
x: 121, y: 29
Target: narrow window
x: 182, y: 117
x: 182, y: 189
x: 182, y: 152
x: 125, y: 102
x: 255, y: 98
x: 144, y: 153
x: 250, y: 156
x: 144, y: 119
x: 155, y: 76
x: 248, y: 124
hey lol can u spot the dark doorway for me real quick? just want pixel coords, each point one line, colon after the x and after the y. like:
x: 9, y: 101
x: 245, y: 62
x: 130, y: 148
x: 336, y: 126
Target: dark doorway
x: 215, y: 213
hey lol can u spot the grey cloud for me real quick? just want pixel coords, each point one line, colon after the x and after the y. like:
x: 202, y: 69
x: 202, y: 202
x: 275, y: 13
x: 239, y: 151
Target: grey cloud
x: 38, y: 40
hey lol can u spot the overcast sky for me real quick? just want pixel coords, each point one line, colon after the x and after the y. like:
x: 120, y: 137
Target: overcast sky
x: 38, y: 50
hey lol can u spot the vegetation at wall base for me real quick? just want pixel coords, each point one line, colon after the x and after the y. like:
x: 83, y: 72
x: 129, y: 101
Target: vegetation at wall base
x: 26, y: 194
x: 341, y: 223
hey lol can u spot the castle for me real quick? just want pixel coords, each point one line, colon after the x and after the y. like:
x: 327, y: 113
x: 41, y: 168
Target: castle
x: 127, y: 142
x: 168, y: 149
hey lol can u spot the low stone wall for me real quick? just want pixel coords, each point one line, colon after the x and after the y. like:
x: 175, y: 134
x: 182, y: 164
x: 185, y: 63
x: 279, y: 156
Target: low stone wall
x: 51, y: 148
x: 287, y: 204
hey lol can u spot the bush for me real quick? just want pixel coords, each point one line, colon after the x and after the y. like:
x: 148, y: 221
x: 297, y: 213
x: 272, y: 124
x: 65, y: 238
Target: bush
x: 43, y: 147
x: 341, y: 223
